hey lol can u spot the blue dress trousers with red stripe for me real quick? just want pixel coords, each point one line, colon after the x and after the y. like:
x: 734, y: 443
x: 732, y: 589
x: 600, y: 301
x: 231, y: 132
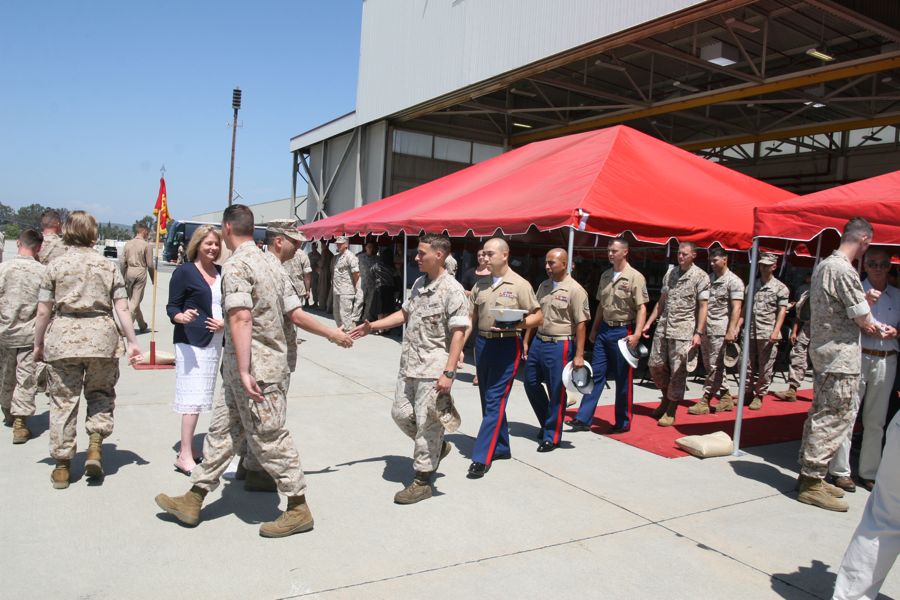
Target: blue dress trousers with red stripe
x: 608, y: 361
x: 545, y: 364
x: 496, y: 365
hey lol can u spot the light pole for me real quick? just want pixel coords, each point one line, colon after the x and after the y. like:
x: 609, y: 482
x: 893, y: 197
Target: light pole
x: 236, y: 105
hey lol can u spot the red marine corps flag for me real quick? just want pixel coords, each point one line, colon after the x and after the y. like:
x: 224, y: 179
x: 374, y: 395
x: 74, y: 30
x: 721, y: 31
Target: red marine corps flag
x: 161, y: 210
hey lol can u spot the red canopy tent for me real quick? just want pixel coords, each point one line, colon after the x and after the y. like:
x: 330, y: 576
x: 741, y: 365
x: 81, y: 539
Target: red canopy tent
x: 605, y: 182
x: 803, y: 219
x: 877, y: 199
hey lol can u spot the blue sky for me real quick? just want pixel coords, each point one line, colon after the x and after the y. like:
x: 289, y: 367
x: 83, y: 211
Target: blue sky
x: 97, y: 95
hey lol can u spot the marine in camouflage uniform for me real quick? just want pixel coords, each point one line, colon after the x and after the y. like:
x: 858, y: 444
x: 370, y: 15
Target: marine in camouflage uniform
x: 770, y: 300
x: 724, y: 290
x: 347, y: 294
x: 137, y: 261
x: 52, y: 247
x: 685, y: 293
x: 437, y: 310
x: 82, y: 346
x: 799, y: 356
x: 299, y: 269
x: 836, y: 299
x: 20, y: 279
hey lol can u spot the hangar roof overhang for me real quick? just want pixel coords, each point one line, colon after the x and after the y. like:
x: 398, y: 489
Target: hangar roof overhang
x: 719, y: 74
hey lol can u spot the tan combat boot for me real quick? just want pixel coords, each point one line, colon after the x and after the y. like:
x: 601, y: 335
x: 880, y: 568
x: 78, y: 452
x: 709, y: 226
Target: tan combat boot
x: 756, y: 403
x: 7, y: 418
x: 184, y: 508
x: 788, y: 395
x: 814, y: 492
x: 93, y: 464
x: 419, y: 489
x: 259, y: 481
x: 831, y: 489
x: 701, y: 407
x: 661, y: 409
x: 60, y: 475
x: 668, y: 419
x: 726, y: 403
x: 296, y: 519
x: 20, y: 431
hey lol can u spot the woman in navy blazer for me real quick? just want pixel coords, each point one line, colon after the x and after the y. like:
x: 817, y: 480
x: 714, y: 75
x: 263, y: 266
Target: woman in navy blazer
x: 195, y: 307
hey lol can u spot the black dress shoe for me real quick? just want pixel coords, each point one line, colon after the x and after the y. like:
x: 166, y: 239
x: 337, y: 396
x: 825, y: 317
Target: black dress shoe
x: 502, y: 456
x: 577, y: 425
x: 477, y: 470
x: 546, y: 447
x: 620, y: 429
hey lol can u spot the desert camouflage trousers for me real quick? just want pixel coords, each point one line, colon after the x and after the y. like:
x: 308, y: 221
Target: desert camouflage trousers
x: 668, y: 366
x: 830, y: 419
x: 762, y: 364
x: 235, y: 416
x: 66, y: 378
x: 415, y: 413
x: 799, y: 359
x: 344, y: 308
x: 714, y: 364
x: 18, y: 380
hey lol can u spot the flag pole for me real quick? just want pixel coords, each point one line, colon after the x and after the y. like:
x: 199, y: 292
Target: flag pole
x: 155, y: 282
x: 162, y: 212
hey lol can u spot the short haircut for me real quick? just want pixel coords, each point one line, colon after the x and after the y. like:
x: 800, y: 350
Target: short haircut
x: 856, y: 229
x: 240, y: 217
x: 139, y: 227
x: 49, y: 218
x: 80, y: 229
x: 619, y: 240
x: 504, y: 245
x: 270, y: 237
x: 437, y: 241
x: 200, y: 234
x: 718, y: 253
x: 878, y: 250
x: 690, y: 245
x: 31, y: 239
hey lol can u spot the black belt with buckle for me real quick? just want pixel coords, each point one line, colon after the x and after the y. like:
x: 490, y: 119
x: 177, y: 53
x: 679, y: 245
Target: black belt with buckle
x: 879, y: 353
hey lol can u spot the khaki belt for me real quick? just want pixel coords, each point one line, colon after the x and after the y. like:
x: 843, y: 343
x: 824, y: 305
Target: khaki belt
x: 618, y: 323
x: 879, y: 353
x: 492, y: 335
x: 554, y: 338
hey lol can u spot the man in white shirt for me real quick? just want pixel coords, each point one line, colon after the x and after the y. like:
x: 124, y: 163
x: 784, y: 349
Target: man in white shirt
x: 879, y: 365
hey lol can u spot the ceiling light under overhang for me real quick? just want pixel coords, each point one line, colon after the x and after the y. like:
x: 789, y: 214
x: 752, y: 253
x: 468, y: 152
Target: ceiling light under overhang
x: 519, y: 92
x: 720, y: 53
x: 685, y: 86
x: 609, y: 65
x: 816, y: 53
x: 814, y: 104
x: 522, y: 125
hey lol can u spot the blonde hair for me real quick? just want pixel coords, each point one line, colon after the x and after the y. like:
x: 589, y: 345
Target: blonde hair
x: 199, y: 235
x: 80, y: 229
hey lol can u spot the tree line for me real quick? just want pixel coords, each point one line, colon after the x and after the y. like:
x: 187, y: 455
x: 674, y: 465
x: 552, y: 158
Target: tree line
x: 13, y: 221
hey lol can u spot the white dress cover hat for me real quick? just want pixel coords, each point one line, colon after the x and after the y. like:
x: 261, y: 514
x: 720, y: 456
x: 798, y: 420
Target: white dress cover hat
x: 579, y: 382
x: 632, y: 356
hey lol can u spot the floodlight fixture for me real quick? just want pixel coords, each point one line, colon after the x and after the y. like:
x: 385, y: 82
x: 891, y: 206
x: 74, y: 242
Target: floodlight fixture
x: 522, y: 125
x: 820, y: 54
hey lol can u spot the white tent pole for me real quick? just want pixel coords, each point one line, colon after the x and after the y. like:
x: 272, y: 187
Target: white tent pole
x: 745, y: 354
x: 571, y: 246
x: 405, y: 261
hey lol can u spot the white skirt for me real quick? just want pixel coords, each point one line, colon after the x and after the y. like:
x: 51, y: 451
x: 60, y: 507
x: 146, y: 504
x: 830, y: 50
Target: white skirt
x: 195, y: 376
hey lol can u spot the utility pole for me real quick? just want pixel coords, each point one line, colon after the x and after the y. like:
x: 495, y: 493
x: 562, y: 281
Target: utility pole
x: 236, y: 105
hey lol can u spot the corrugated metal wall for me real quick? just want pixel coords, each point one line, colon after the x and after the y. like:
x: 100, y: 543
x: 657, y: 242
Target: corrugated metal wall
x: 438, y: 46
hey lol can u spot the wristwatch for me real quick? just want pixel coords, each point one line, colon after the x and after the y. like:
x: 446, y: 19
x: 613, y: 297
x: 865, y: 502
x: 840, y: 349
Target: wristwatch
x: 449, y: 374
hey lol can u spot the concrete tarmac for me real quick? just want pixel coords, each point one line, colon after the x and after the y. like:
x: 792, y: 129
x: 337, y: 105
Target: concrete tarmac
x: 594, y: 519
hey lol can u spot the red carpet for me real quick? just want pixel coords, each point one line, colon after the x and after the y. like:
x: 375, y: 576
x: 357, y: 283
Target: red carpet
x: 776, y: 422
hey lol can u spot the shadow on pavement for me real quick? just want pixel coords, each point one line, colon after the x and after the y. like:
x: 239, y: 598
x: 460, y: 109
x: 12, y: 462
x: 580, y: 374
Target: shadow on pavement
x: 816, y: 579
x: 38, y: 424
x: 398, y: 469
x: 113, y: 460
x: 197, y: 443
x: 764, y: 473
